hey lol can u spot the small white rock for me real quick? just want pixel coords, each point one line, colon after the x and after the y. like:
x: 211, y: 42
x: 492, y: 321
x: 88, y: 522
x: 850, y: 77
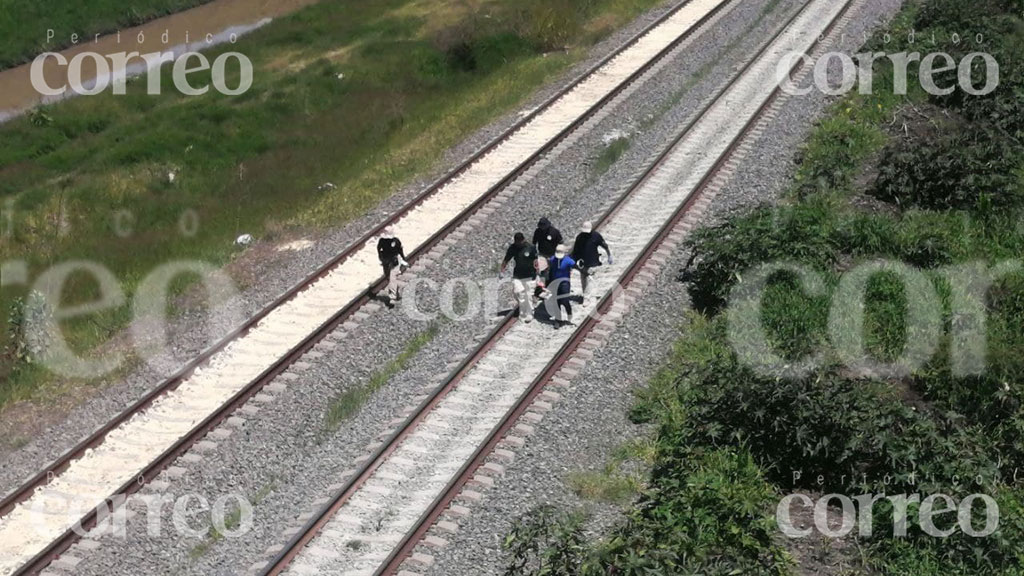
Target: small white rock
x: 612, y: 136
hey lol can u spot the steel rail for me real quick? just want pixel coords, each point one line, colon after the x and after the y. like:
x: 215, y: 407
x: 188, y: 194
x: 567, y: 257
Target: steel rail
x: 308, y: 532
x: 413, y: 538
x: 26, y: 490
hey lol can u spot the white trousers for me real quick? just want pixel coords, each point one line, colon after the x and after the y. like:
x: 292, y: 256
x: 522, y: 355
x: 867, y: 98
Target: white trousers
x: 523, y: 290
x: 393, y: 287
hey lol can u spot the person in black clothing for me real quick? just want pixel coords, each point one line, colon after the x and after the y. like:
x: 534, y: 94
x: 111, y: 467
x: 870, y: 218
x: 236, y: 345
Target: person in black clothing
x: 585, y: 252
x: 545, y: 239
x: 524, y: 273
x: 392, y: 259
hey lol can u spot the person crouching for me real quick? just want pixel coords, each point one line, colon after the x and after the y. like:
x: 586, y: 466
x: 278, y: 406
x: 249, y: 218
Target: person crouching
x: 392, y: 260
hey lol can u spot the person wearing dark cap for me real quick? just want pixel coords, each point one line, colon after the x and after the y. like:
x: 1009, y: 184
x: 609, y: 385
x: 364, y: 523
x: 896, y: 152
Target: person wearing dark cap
x: 392, y: 260
x: 585, y: 252
x: 545, y: 238
x: 524, y: 273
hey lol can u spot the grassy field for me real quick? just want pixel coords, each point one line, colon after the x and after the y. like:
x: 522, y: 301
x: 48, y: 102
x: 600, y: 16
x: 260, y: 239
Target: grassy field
x: 933, y: 183
x: 23, y: 23
x: 362, y: 95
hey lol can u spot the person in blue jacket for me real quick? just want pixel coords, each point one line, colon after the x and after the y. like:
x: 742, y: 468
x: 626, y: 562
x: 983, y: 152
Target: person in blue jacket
x: 560, y: 268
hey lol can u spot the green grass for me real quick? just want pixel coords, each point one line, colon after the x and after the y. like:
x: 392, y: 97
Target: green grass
x: 417, y: 77
x: 604, y: 486
x: 232, y: 520
x: 705, y: 512
x: 844, y: 424
x: 730, y: 436
x: 23, y: 23
x: 615, y: 483
x: 349, y: 402
x: 611, y: 153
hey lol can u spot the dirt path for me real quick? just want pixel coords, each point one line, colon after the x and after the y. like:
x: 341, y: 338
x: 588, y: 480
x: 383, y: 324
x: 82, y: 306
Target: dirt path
x: 215, y: 21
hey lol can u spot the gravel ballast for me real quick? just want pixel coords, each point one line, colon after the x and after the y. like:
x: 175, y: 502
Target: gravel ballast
x: 590, y: 422
x: 277, y: 272
x: 283, y: 455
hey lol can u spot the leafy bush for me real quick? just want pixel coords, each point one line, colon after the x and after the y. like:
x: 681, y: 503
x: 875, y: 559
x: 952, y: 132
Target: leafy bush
x: 958, y: 14
x: 707, y: 512
x: 830, y: 426
x: 546, y: 542
x: 721, y: 254
x: 973, y: 166
x: 959, y: 171
x: 1003, y: 109
x: 859, y: 436
x: 479, y: 45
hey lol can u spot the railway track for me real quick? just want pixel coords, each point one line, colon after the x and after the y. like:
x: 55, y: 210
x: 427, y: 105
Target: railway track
x: 38, y: 520
x: 457, y: 440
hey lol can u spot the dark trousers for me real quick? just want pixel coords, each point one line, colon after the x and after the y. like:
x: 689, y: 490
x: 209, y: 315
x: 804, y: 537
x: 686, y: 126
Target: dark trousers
x: 562, y: 297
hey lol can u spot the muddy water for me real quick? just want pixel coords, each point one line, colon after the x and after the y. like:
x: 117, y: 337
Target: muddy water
x: 193, y: 29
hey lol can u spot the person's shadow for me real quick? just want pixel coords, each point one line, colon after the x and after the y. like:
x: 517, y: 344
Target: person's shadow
x: 542, y: 313
x: 383, y: 299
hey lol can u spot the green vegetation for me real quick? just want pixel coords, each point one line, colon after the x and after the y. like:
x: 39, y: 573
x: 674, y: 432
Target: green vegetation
x: 350, y: 401
x: 621, y: 479
x: 704, y: 513
x: 611, y: 153
x: 365, y: 95
x: 23, y: 23
x: 546, y: 542
x: 232, y: 520
x: 933, y: 183
x: 608, y: 485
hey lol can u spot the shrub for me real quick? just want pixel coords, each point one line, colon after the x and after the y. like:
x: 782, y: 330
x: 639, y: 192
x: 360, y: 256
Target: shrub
x: 1004, y: 108
x: 956, y: 14
x: 721, y: 254
x: 960, y: 171
x: 1003, y: 39
x: 707, y: 513
x: 546, y: 542
x: 859, y: 436
x: 480, y: 45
